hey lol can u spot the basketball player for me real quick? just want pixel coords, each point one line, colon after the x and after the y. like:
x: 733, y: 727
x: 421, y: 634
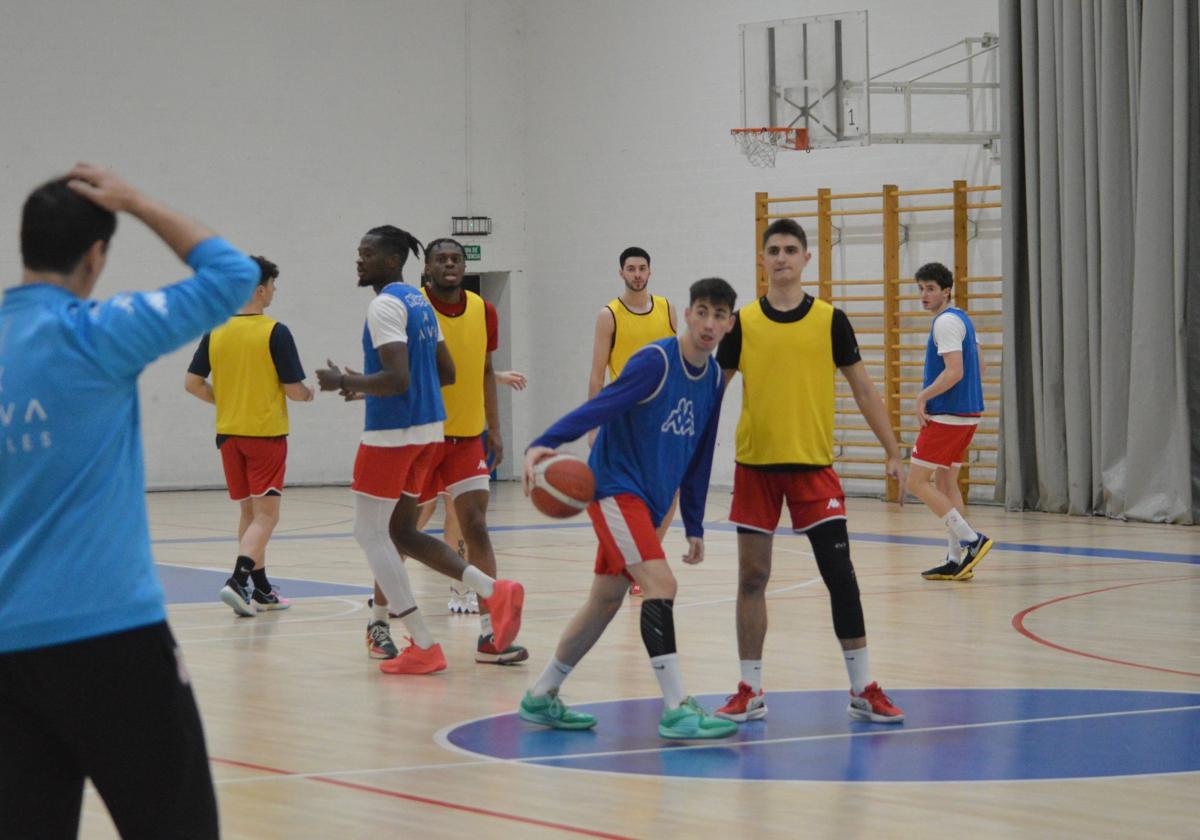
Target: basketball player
x: 658, y: 426
x: 254, y: 366
x: 460, y: 467
x: 91, y: 682
x: 948, y: 410
x: 625, y: 325
x: 786, y: 345
x: 406, y: 362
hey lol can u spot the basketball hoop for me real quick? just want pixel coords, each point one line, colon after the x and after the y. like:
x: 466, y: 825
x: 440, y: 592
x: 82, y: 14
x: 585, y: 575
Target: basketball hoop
x: 760, y: 145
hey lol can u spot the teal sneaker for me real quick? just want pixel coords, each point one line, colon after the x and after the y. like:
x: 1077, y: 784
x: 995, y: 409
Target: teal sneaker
x: 548, y: 710
x: 688, y: 720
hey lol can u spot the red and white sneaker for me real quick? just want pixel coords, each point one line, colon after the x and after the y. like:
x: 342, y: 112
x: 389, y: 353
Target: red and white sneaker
x: 415, y: 660
x: 508, y: 597
x: 743, y: 706
x: 635, y: 591
x: 874, y: 705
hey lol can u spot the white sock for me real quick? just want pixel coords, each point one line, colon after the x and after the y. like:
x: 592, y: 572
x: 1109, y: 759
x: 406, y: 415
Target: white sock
x: 477, y: 580
x: 414, y: 623
x: 379, y: 613
x: 858, y: 666
x: 485, y: 624
x: 953, y: 548
x: 752, y: 673
x: 551, y: 679
x: 670, y: 679
x: 959, y: 527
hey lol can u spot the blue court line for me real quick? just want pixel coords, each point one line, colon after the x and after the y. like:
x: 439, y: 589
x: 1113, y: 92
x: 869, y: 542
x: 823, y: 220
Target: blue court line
x: 895, y: 539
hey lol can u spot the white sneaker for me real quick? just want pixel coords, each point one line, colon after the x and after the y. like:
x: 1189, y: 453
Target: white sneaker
x: 465, y: 602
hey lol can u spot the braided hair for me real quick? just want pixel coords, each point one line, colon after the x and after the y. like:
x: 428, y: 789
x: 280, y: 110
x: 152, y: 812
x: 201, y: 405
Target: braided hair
x: 393, y: 240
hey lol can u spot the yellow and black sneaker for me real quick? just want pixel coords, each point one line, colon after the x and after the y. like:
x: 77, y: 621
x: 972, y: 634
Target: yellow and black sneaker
x: 947, y: 571
x: 972, y: 555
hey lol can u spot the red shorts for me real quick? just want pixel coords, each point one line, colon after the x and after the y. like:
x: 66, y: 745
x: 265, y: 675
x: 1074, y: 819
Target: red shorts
x: 813, y: 497
x: 942, y: 445
x: 389, y: 472
x: 254, y: 466
x: 626, y: 534
x: 460, y: 466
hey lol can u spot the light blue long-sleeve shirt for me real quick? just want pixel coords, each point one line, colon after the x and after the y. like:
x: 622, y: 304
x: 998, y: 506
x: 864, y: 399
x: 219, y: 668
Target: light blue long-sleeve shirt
x: 75, y: 557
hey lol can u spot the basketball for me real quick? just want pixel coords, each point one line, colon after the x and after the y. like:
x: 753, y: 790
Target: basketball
x: 562, y: 486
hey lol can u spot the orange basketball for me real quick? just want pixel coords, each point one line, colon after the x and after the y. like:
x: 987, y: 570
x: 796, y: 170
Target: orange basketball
x: 562, y: 486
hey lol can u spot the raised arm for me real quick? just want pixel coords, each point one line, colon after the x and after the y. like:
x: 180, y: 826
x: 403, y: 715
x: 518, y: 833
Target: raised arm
x: 180, y: 233
x: 131, y: 330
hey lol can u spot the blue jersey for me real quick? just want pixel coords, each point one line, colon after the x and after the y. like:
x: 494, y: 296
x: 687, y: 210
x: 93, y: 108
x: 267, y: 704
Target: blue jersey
x: 966, y: 396
x: 422, y: 402
x: 75, y: 557
x: 658, y: 426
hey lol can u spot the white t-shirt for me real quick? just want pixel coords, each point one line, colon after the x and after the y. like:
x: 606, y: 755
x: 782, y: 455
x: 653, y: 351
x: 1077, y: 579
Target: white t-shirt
x: 948, y: 336
x: 387, y: 323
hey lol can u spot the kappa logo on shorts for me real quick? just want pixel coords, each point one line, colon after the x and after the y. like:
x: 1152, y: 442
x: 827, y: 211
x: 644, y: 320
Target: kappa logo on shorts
x: 682, y: 420
x: 834, y: 504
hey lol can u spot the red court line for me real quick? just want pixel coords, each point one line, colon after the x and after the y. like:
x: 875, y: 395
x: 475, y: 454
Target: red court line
x: 395, y: 794
x: 1018, y: 623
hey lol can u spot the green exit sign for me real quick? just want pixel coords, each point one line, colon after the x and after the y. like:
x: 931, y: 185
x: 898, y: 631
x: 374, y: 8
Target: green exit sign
x: 474, y: 253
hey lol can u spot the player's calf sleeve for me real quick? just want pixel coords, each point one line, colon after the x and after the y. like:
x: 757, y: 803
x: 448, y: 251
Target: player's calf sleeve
x: 831, y: 545
x: 658, y: 626
x: 371, y: 532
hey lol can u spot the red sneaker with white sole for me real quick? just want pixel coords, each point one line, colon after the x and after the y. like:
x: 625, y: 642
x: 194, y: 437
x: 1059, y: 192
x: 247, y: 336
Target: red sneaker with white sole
x: 874, y: 705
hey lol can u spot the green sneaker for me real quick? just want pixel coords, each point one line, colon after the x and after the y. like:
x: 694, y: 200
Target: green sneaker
x: 688, y: 720
x: 548, y: 710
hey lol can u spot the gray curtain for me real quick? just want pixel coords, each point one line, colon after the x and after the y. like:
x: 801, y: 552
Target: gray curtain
x: 1100, y: 105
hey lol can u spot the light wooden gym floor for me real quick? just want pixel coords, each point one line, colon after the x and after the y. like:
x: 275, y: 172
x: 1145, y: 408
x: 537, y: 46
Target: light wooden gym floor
x: 309, y: 740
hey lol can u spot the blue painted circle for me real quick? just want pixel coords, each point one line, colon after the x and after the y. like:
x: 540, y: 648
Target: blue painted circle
x: 948, y: 735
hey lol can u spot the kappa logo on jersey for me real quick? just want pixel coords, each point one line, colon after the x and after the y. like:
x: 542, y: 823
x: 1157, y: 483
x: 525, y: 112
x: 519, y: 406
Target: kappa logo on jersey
x: 482, y: 465
x: 682, y: 420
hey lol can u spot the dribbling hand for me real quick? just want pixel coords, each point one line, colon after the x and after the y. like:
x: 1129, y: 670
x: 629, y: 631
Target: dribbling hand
x: 532, y: 455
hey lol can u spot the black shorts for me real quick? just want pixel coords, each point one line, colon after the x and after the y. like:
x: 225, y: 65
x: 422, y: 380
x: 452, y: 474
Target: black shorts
x: 117, y: 709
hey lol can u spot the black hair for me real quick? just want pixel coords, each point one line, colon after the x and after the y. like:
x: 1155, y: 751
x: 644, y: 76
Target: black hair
x: 633, y: 251
x: 714, y: 290
x: 434, y: 244
x: 789, y: 226
x: 267, y: 270
x: 58, y: 225
x: 936, y: 272
x: 396, y: 241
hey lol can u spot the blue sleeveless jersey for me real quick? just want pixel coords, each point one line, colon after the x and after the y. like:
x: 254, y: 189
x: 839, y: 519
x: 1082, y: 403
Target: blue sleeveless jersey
x: 422, y: 402
x: 646, y: 450
x: 966, y: 397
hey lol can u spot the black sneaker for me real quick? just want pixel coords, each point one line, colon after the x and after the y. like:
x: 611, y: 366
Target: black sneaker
x: 238, y: 597
x: 946, y: 571
x: 265, y: 600
x: 973, y: 554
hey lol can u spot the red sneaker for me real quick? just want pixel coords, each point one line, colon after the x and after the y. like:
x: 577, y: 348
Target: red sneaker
x: 508, y: 597
x: 874, y: 705
x: 743, y: 706
x: 635, y: 591
x: 415, y: 660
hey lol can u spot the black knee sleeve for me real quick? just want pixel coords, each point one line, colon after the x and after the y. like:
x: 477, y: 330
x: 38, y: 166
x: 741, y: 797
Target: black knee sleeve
x: 658, y: 626
x: 831, y: 545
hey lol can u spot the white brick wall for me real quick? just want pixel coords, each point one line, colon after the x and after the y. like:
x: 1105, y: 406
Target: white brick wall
x: 292, y: 128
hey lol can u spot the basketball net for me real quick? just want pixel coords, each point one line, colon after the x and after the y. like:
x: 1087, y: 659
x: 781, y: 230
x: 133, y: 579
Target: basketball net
x: 760, y: 145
